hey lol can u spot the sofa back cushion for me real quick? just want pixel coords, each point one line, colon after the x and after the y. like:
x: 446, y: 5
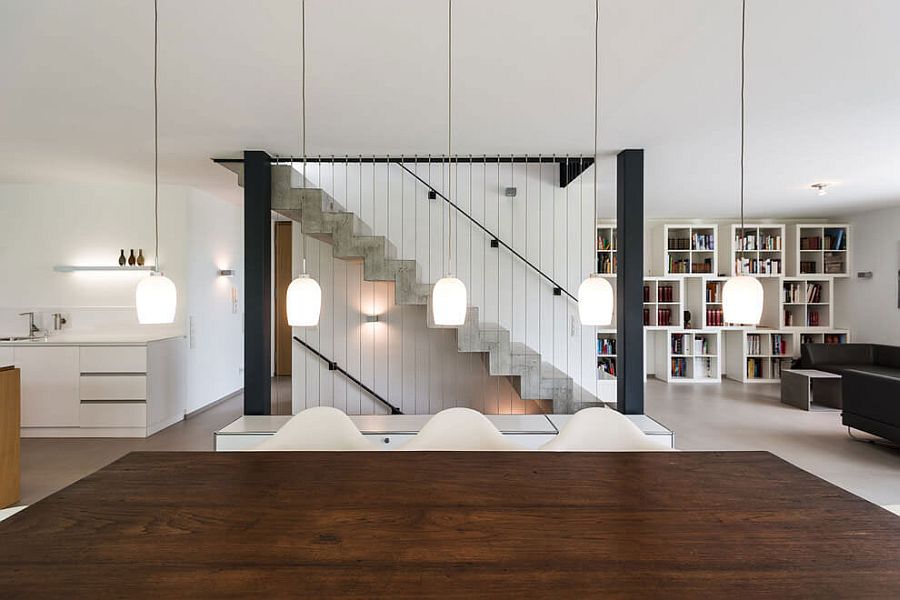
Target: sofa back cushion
x: 813, y: 355
x: 887, y: 356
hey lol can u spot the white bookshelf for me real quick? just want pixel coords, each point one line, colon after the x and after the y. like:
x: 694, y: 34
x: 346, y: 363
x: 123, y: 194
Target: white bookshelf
x: 689, y: 249
x: 807, y: 302
x: 663, y: 302
x: 820, y: 249
x: 758, y: 356
x: 689, y: 356
x: 607, y: 247
x: 758, y: 251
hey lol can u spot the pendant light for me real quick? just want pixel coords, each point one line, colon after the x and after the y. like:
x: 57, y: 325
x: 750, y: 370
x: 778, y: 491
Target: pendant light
x: 156, y: 297
x: 304, y: 295
x: 742, y: 295
x: 448, y: 299
x: 595, y: 294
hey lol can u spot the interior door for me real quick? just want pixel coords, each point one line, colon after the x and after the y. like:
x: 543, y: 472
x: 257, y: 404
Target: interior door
x: 283, y: 272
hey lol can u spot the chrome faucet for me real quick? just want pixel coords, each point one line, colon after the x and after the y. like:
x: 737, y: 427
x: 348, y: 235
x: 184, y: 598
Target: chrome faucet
x: 33, y: 329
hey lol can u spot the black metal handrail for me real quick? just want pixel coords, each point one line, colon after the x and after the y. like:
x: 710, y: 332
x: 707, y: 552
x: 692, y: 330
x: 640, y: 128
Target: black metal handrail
x: 495, y: 240
x: 333, y: 366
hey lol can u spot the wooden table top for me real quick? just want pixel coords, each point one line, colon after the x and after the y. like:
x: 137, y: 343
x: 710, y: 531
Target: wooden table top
x: 451, y: 524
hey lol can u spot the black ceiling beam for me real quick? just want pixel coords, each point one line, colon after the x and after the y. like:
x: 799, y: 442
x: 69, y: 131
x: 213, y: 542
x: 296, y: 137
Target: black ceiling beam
x: 569, y: 169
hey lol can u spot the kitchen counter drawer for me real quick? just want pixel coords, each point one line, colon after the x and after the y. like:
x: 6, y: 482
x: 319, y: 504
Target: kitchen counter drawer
x: 113, y: 359
x: 113, y: 387
x: 113, y: 414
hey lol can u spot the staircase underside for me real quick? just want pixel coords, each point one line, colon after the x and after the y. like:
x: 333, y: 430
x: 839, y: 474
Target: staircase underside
x: 322, y: 218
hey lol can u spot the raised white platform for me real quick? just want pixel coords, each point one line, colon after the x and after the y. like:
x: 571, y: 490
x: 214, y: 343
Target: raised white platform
x: 390, y: 431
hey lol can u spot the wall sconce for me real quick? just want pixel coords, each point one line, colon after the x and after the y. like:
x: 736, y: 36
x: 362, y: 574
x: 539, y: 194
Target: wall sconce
x: 372, y: 319
x: 226, y: 272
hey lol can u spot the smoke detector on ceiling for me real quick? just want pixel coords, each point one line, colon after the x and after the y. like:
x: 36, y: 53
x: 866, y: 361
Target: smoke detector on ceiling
x: 820, y: 188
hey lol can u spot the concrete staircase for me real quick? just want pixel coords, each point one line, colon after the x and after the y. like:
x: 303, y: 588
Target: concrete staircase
x: 322, y: 218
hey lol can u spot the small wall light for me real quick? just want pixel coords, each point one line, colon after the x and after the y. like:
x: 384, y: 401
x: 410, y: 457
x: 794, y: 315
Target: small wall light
x: 226, y: 272
x: 372, y: 319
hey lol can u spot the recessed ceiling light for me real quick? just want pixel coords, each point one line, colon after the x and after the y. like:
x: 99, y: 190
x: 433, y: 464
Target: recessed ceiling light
x: 820, y: 188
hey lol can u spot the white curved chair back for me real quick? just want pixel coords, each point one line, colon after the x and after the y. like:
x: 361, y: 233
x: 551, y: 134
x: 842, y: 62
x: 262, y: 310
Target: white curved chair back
x: 598, y: 429
x: 317, y: 428
x: 460, y: 429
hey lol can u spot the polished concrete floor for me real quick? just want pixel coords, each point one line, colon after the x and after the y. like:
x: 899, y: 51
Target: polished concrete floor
x: 727, y: 416
x: 734, y: 416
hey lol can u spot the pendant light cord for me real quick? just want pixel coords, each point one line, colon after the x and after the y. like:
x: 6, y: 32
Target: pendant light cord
x: 743, y: 45
x: 596, y: 102
x: 449, y: 132
x: 156, y: 132
x: 303, y: 116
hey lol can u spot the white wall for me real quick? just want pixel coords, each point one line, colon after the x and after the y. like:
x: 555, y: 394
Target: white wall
x: 42, y: 226
x: 869, y: 306
x: 215, y: 304
x: 46, y: 225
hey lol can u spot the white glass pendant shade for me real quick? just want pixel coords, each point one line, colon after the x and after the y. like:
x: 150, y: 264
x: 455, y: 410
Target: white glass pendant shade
x: 448, y: 302
x: 742, y: 300
x: 304, y: 302
x: 595, y: 301
x: 155, y: 299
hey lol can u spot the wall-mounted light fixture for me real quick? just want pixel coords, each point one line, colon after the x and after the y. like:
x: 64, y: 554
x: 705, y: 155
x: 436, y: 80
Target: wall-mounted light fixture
x: 372, y: 319
x: 226, y: 272
x: 864, y: 274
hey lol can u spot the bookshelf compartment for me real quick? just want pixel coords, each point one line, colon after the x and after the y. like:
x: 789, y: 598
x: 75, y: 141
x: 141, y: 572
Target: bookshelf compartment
x: 758, y: 356
x: 806, y: 302
x: 663, y: 299
x: 821, y: 249
x: 689, y: 249
x: 683, y: 356
x: 757, y: 250
x: 607, y: 249
x: 606, y: 356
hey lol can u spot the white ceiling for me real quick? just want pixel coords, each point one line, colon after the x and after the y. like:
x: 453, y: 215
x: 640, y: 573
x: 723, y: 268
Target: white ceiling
x: 823, y: 91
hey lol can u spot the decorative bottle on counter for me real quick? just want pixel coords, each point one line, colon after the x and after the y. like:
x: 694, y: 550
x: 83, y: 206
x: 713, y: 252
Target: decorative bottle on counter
x: 131, y: 259
x: 140, y: 257
x: 122, y: 260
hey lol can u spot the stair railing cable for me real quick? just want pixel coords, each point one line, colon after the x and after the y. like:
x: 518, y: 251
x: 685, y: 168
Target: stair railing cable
x: 333, y: 366
x: 487, y: 231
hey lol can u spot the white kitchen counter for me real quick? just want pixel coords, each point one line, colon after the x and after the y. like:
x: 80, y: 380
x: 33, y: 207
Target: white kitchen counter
x: 98, y: 339
x: 100, y: 385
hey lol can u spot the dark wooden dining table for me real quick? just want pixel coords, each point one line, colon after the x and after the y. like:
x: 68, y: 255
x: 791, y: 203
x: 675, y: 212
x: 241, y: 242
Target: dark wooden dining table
x: 451, y: 524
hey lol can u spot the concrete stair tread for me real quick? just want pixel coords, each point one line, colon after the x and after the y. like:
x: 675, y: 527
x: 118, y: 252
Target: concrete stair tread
x: 520, y: 349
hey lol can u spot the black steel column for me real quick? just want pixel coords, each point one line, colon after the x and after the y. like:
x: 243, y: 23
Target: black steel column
x: 257, y: 283
x: 630, y: 281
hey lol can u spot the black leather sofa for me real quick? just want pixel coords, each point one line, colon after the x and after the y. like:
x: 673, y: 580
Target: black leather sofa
x: 870, y: 383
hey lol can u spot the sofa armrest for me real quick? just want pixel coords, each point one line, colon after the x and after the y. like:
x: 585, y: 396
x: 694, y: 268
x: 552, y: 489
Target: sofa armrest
x: 887, y: 356
x: 874, y: 396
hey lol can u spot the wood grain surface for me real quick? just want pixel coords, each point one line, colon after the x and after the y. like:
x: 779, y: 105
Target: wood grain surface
x: 451, y: 524
x: 10, y: 420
